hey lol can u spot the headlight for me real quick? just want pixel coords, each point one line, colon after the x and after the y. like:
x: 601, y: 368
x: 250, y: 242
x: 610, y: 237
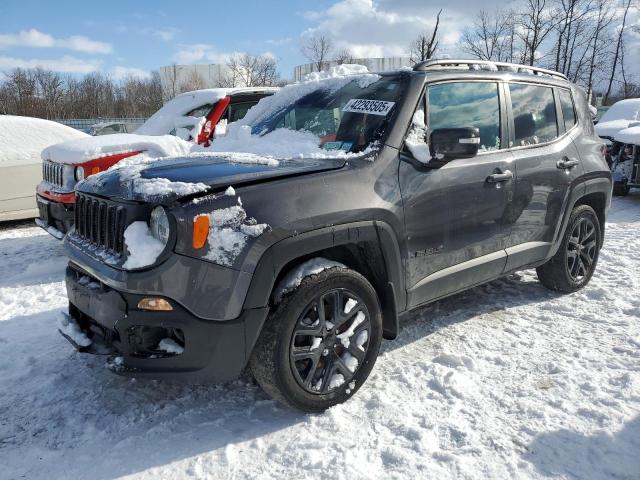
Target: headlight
x: 159, y: 225
x: 79, y: 173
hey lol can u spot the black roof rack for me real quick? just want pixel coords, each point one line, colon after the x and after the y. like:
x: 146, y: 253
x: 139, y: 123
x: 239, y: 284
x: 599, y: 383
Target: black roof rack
x: 485, y: 65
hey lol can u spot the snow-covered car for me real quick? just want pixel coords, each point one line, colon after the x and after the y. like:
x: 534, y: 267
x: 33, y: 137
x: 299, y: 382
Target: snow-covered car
x: 620, y: 115
x: 295, y: 243
x: 626, y: 160
x: 22, y: 140
x: 109, y: 128
x: 190, y: 119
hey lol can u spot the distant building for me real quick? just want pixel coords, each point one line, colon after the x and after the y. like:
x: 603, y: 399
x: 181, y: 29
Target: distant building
x: 373, y: 64
x: 179, y: 78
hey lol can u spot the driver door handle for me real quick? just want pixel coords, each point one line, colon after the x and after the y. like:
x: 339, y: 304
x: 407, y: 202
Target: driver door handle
x: 500, y: 177
x: 567, y: 163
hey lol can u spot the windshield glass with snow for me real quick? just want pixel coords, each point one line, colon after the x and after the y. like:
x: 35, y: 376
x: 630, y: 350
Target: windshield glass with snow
x: 347, y: 119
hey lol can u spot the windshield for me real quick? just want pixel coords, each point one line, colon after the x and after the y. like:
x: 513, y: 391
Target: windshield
x: 349, y: 118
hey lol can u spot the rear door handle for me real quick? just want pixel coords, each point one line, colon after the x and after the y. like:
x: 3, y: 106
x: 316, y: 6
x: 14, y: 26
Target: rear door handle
x: 566, y: 163
x: 500, y: 177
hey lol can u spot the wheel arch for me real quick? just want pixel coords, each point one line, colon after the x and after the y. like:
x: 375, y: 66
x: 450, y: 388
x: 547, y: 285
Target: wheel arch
x: 369, y: 248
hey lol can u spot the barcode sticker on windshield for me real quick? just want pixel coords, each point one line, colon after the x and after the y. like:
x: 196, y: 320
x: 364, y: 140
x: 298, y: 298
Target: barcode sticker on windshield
x: 375, y: 107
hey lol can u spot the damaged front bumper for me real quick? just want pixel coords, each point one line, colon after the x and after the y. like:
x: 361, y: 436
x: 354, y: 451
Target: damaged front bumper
x: 207, y: 350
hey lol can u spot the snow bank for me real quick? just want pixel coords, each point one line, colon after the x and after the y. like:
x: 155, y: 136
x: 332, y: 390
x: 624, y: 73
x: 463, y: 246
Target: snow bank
x: 143, y: 248
x: 22, y: 139
x: 628, y: 135
x: 89, y: 148
x: 294, y: 278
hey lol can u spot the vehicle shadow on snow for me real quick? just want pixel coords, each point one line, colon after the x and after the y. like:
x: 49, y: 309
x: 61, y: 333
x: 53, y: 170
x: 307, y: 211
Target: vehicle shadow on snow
x: 101, y: 425
x: 32, y: 260
x: 570, y: 454
x: 626, y: 208
x: 511, y: 291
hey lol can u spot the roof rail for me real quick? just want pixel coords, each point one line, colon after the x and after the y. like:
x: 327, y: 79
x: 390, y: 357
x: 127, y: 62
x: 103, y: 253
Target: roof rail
x: 489, y: 65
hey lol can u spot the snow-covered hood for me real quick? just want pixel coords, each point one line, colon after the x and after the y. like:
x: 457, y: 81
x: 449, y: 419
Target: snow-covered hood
x: 165, y: 181
x: 89, y: 148
x: 610, y: 128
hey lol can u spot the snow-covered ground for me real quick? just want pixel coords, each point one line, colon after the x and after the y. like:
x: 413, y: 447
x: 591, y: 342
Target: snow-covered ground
x: 508, y: 380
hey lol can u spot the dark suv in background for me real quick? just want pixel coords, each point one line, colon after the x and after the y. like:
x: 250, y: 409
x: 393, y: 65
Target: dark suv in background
x: 443, y: 178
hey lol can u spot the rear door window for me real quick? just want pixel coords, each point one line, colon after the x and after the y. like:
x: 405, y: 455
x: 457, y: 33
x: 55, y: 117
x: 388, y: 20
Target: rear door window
x: 534, y: 114
x: 568, y: 110
x: 467, y: 104
x: 237, y: 111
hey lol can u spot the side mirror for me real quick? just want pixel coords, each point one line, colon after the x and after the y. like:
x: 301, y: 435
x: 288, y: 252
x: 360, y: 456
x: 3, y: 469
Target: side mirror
x: 451, y: 143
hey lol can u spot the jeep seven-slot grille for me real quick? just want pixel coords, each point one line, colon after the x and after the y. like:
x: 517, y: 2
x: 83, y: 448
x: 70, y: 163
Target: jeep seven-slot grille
x: 53, y: 173
x: 100, y: 222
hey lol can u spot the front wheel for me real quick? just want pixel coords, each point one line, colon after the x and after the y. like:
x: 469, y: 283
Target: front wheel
x: 320, y: 344
x: 572, y: 266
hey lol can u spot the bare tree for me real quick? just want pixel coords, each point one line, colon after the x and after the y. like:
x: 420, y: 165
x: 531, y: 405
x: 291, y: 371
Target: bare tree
x: 344, y: 56
x: 425, y: 46
x: 491, y: 37
x: 535, y: 23
x: 617, y: 51
x: 598, y: 45
x: 172, y: 82
x: 248, y: 70
x: 318, y: 50
x: 194, y: 81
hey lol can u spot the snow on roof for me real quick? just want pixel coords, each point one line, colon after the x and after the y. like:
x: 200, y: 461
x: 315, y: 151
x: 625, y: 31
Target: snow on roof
x: 624, y: 109
x: 163, y: 121
x: 618, y: 117
x: 89, y: 148
x: 629, y: 135
x: 23, y: 138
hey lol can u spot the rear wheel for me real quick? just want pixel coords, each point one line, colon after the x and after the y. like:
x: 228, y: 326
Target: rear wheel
x: 572, y: 266
x: 320, y: 344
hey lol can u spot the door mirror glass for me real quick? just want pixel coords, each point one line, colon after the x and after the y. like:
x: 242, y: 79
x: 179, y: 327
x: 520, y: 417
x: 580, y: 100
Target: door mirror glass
x: 451, y: 143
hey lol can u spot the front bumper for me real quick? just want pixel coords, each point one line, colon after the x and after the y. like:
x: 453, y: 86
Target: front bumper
x: 213, y: 351
x: 54, y: 217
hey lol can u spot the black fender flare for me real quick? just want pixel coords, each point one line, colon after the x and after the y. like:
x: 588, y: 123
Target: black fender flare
x: 279, y: 255
x: 600, y: 184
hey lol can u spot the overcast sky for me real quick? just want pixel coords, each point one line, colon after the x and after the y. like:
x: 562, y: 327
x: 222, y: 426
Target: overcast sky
x: 122, y: 37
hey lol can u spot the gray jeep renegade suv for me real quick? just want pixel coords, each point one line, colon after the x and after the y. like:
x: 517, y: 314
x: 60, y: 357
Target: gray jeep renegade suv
x: 433, y: 181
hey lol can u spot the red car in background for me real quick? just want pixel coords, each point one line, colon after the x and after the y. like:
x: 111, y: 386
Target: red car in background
x: 188, y: 119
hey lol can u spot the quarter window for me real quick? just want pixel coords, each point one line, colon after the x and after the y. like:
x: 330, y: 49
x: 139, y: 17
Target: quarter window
x: 568, y: 112
x: 534, y: 114
x: 467, y: 104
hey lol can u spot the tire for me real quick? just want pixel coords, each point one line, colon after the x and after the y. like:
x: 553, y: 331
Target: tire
x: 581, y: 243
x: 621, y: 189
x: 302, y: 383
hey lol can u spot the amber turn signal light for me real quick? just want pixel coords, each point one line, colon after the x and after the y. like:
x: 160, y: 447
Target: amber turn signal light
x: 200, y: 231
x: 153, y: 303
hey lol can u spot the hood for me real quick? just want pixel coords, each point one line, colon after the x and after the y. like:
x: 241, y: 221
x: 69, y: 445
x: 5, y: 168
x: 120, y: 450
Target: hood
x: 167, y: 180
x: 83, y: 150
x: 610, y: 128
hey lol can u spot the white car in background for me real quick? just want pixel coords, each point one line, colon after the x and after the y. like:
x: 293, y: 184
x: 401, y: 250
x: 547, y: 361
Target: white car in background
x: 621, y: 115
x: 22, y: 140
x: 626, y: 160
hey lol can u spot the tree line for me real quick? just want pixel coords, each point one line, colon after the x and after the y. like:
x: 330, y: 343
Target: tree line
x: 584, y: 39
x: 46, y: 94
